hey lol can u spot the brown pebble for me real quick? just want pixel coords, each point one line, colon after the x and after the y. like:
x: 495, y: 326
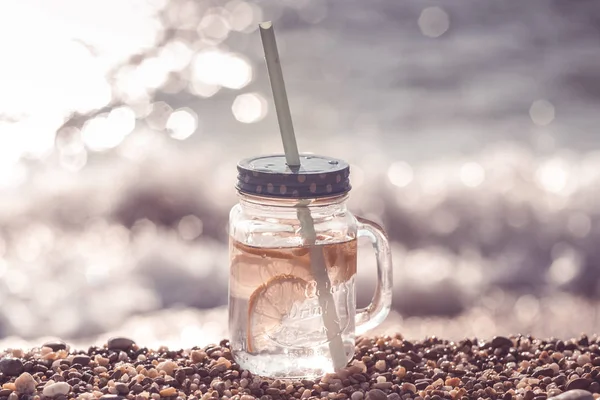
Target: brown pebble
x: 500, y: 342
x: 25, y: 384
x: 168, y: 392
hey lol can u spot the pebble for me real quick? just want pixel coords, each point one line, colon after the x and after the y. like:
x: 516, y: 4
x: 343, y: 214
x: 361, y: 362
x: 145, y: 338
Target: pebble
x: 11, y: 366
x: 408, y: 364
x: 56, y: 345
x: 120, y: 343
x: 122, y: 388
x: 25, y: 384
x: 432, y: 369
x: 577, y: 394
x: 168, y: 392
x: 578, y: 383
x: 583, y: 359
x: 376, y: 394
x: 380, y: 365
x: 357, y: 396
x: 167, y: 366
x: 56, y: 389
x: 111, y: 397
x: 500, y: 342
x: 407, y: 386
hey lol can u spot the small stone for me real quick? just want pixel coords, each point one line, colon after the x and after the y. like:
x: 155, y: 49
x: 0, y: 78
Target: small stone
x: 82, y: 360
x: 247, y: 397
x: 578, y: 383
x: 541, y: 372
x: 167, y: 366
x: 11, y: 366
x: 577, y: 394
x: 197, y: 356
x: 454, y: 382
x: 306, y: 394
x: 13, y: 396
x: 380, y: 366
x: 56, y: 389
x: 111, y: 397
x: 376, y: 394
x: 583, y: 359
x: 223, y: 361
x: 500, y: 342
x: 120, y: 343
x: 383, y: 385
x: 122, y: 388
x: 168, y: 392
x: 357, y: 396
x: 56, y: 345
x: 408, y: 364
x: 25, y: 384
x: 359, y: 366
x: 393, y: 396
x: 409, y: 387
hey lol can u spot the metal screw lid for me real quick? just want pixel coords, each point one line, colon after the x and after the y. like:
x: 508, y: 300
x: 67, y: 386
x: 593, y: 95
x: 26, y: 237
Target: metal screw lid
x: 270, y: 176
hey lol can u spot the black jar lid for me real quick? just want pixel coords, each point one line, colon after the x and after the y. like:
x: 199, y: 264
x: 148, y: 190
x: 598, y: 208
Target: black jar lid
x: 270, y: 176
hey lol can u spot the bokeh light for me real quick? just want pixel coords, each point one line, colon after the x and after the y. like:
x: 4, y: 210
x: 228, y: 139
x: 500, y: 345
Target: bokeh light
x: 541, y: 112
x: 215, y: 67
x: 552, y: 175
x: 433, y: 22
x: 400, y: 174
x: 249, y: 107
x: 182, y: 123
x: 472, y: 174
x: 108, y: 130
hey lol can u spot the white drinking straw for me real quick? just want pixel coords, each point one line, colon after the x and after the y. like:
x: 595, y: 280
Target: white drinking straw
x: 318, y: 266
x: 282, y: 108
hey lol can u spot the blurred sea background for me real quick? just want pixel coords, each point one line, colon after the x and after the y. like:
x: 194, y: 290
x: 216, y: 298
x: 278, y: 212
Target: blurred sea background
x: 471, y: 129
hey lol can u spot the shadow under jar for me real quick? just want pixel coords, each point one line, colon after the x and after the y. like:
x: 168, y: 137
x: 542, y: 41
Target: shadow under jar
x: 293, y: 244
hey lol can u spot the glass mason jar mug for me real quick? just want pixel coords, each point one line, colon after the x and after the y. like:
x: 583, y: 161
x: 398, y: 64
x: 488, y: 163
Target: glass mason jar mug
x: 293, y: 260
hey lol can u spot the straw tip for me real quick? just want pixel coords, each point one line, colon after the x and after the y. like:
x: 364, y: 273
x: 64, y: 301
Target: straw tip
x: 266, y: 25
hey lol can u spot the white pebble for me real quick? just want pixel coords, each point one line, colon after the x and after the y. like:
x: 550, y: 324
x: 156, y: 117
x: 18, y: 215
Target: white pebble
x: 56, y: 389
x: 167, y: 366
x: 381, y: 379
x: 380, y: 365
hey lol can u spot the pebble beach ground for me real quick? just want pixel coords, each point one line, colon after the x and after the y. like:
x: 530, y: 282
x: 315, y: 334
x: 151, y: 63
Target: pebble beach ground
x: 384, y: 368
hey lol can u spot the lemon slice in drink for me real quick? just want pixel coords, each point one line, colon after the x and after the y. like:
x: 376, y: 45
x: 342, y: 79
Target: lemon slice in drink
x: 269, y: 304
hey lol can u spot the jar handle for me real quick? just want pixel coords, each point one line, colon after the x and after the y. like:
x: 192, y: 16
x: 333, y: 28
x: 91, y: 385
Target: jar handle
x: 374, y: 314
